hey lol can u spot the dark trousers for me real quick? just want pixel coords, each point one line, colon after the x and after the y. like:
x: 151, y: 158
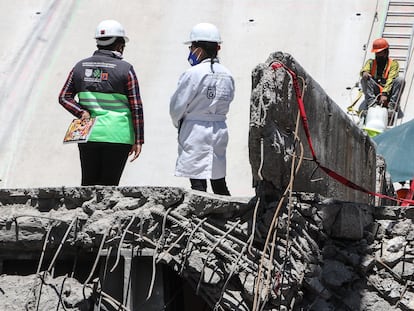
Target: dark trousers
x: 371, y: 91
x: 102, y: 163
x: 219, y: 186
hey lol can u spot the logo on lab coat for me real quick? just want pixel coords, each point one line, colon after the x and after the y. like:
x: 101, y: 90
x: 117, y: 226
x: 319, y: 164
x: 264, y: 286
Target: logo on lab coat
x: 211, y: 92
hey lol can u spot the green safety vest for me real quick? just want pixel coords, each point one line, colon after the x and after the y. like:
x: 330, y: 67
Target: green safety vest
x: 113, y: 117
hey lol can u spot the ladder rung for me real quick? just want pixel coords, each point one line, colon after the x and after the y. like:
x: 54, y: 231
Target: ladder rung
x: 399, y: 46
x: 400, y: 13
x: 396, y: 35
x: 398, y: 24
x: 402, y: 3
x: 399, y: 58
x: 395, y: 53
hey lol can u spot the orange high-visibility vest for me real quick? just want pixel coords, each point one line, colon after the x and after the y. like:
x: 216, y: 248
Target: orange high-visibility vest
x: 387, y: 69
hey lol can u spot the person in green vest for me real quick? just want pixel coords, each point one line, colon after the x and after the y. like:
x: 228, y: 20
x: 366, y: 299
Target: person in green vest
x: 107, y: 89
x: 380, y: 79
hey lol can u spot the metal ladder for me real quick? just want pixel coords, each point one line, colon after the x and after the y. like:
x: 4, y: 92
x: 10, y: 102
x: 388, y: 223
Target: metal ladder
x: 398, y: 30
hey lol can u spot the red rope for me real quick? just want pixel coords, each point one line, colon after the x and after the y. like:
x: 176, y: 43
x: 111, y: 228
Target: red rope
x: 343, y: 180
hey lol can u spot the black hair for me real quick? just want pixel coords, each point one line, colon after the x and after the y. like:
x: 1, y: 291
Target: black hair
x: 210, y: 48
x: 112, y: 46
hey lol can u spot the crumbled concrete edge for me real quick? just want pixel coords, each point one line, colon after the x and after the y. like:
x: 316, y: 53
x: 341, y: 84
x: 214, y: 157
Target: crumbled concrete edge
x: 327, y: 253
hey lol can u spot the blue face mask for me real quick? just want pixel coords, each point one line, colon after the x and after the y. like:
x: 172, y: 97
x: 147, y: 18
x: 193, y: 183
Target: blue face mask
x: 192, y: 59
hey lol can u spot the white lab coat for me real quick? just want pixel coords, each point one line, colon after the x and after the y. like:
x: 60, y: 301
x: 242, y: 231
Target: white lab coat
x: 198, y: 109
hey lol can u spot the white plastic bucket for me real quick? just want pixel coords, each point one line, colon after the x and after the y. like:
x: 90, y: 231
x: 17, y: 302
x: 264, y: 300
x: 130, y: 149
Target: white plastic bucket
x: 376, y: 120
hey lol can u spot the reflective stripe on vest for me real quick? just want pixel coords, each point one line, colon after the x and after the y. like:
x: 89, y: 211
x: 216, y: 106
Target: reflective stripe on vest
x: 114, y: 121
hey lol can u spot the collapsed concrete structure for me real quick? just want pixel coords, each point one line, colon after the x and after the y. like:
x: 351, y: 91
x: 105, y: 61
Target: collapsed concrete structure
x: 337, y: 142
x: 75, y: 248
x: 298, y: 244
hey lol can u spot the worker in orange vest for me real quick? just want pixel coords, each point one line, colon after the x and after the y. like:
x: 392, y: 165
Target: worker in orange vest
x: 380, y: 81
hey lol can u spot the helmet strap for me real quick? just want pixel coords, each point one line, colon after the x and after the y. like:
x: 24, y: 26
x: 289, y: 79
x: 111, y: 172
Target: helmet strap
x: 105, y: 41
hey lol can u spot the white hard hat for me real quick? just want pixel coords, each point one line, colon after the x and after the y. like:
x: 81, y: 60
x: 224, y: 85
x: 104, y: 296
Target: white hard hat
x: 204, y: 32
x: 109, y: 29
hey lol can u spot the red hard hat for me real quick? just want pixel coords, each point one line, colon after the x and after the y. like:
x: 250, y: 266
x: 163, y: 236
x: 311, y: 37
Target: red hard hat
x: 379, y: 45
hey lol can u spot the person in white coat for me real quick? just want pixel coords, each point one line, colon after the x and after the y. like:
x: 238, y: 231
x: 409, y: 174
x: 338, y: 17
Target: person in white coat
x: 198, y: 109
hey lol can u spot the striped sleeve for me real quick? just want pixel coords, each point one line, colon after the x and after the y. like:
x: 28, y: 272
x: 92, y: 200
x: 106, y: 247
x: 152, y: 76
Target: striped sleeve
x: 135, y: 103
x: 67, y: 97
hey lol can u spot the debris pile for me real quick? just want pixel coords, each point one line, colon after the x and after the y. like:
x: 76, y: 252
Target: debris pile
x: 367, y: 264
x: 42, y: 292
x: 324, y: 254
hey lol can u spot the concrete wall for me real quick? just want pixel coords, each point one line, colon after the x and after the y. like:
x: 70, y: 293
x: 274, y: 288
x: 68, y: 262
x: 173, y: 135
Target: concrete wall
x: 338, y: 143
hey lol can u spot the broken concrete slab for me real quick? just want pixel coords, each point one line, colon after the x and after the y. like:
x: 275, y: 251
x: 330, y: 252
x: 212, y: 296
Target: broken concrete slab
x: 43, y: 292
x: 207, y: 240
x: 272, y: 143
x: 346, y: 221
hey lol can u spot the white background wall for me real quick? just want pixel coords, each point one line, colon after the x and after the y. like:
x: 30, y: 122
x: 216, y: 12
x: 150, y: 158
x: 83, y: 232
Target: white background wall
x: 43, y: 39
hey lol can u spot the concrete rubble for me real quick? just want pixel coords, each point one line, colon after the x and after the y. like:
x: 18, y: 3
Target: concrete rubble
x: 323, y: 259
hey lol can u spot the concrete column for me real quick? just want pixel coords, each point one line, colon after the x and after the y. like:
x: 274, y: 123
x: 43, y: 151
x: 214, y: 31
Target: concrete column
x: 127, y: 301
x: 338, y: 143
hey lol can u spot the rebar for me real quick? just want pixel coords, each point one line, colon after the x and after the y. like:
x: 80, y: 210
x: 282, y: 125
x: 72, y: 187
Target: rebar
x: 97, y: 257
x: 188, y: 243
x: 43, y: 249
x: 211, y: 250
x: 52, y: 263
x: 60, y: 295
x: 154, y: 257
x: 247, y: 265
x: 232, y: 270
x: 118, y: 254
